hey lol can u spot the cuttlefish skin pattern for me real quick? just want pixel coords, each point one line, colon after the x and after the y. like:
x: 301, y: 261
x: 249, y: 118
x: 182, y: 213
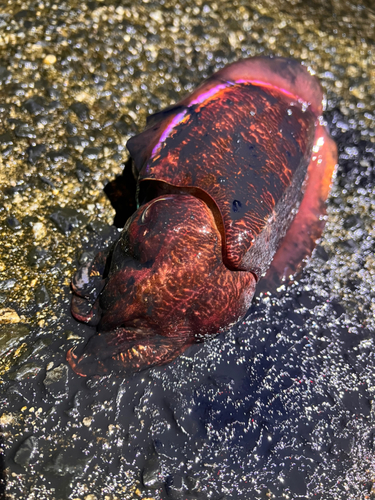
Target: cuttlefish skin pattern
x: 232, y: 185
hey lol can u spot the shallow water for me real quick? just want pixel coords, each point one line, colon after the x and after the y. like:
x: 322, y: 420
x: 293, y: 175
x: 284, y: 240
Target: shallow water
x: 279, y: 407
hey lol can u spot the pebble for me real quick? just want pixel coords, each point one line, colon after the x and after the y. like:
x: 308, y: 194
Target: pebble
x: 78, y: 142
x: 14, y: 224
x: 69, y: 464
x: 87, y: 421
x: 82, y: 171
x: 81, y: 110
x: 6, y: 139
x: 27, y: 371
x: 7, y: 284
x: 5, y: 75
x: 34, y: 105
x: 66, y: 219
x: 151, y: 473
x: 6, y: 419
x: 8, y: 315
x: 92, y: 153
x: 26, y: 452
x: 25, y: 131
x: 11, y: 336
x: 59, y: 155
x: 50, y: 59
x: 37, y: 256
x: 39, y: 230
x: 56, y: 381
x: 71, y: 128
x: 41, y: 295
x: 35, y: 152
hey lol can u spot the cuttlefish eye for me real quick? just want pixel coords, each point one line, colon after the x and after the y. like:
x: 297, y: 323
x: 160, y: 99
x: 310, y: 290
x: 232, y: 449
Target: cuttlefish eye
x: 145, y: 217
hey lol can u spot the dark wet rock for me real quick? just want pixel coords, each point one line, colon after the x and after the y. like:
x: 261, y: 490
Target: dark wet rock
x: 353, y: 222
x: 295, y: 318
x: 53, y: 93
x: 14, y: 224
x: 71, y: 128
x: 78, y: 142
x: 39, y: 346
x: 5, y: 75
x: 86, y: 256
x: 349, y: 245
x: 23, y: 14
x: 69, y: 462
x: 25, y: 131
x: 47, y: 181
x: 108, y: 122
x: 17, y: 394
x: 5, y: 153
x: 35, y: 105
x: 42, y: 120
x: 117, y: 157
x: 122, y: 128
x: 11, y: 337
x: 82, y: 399
x: 67, y: 219
x: 38, y: 256
x: 35, y: 152
x: 192, y: 484
x: 151, y: 475
x: 56, y: 381
x: 7, y: 284
x: 54, y: 105
x: 181, y: 410
x: 82, y: 171
x: 92, y: 153
x: 105, y: 232
x: 6, y: 139
x: 126, y: 125
x: 176, y: 487
x: 6, y: 107
x: 26, y: 452
x: 353, y: 283
x: 321, y: 253
x: 337, y: 308
x: 81, y: 110
x: 26, y: 371
x: 57, y: 268
x: 41, y: 295
x: 20, y: 187
x: 60, y: 155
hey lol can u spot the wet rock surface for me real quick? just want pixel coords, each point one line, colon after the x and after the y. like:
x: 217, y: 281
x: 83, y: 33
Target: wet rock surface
x: 280, y: 406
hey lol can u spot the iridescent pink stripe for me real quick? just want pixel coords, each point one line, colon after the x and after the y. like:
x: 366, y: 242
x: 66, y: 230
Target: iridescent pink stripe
x: 176, y: 120
x: 269, y: 85
x: 206, y: 95
x: 210, y: 93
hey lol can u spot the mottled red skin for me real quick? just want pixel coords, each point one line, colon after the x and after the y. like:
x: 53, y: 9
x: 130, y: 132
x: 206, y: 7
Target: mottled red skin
x: 225, y: 171
x: 267, y: 151
x: 308, y: 224
x: 170, y: 288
